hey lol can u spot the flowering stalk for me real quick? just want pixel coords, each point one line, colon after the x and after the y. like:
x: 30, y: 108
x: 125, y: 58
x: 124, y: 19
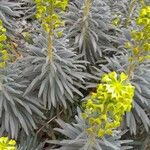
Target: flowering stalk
x: 86, y: 12
x: 47, y: 13
x: 87, y: 7
x: 140, y: 44
x: 3, y: 51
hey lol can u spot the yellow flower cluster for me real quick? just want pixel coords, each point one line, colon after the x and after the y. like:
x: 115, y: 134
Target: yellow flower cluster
x: 47, y: 12
x: 144, y: 16
x: 117, y: 20
x: 3, y: 52
x: 6, y: 144
x: 105, y: 108
x: 140, y: 44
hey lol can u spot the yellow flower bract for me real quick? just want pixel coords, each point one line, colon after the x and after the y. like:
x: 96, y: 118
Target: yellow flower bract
x: 105, y: 108
x: 47, y: 13
x: 6, y: 144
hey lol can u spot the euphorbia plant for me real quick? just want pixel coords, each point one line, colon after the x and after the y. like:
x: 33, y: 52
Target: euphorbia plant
x: 58, y: 73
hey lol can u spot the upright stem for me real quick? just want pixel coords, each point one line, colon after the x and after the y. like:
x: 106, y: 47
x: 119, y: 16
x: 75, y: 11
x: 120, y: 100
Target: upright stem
x: 86, y: 10
x: 130, y: 70
x: 135, y: 57
x: 50, y: 46
x: 50, y: 34
x: 133, y: 64
x: 87, y: 7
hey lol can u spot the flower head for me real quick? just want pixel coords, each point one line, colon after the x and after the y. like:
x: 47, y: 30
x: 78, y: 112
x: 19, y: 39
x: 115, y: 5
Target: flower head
x: 112, y: 99
x: 6, y: 144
